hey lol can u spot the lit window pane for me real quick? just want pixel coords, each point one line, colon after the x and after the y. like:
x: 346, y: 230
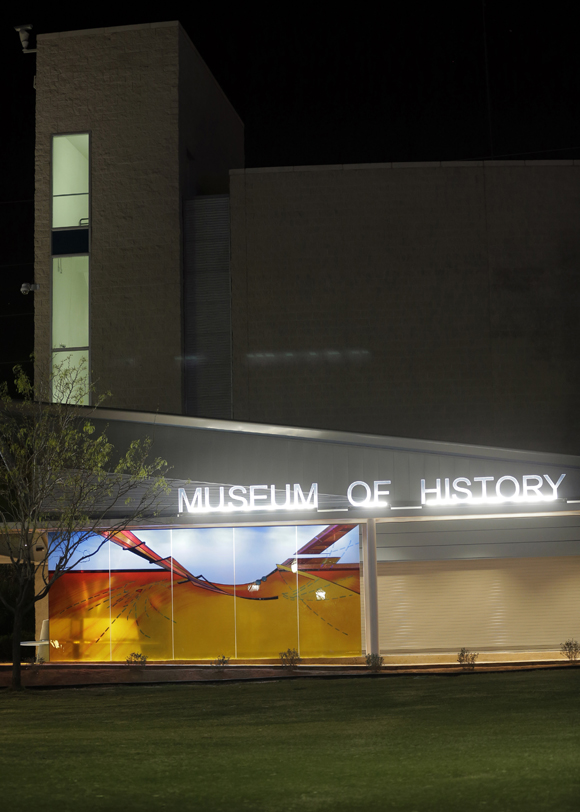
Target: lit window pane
x: 70, y: 379
x: 70, y: 210
x: 70, y: 302
x: 70, y: 180
x: 70, y: 164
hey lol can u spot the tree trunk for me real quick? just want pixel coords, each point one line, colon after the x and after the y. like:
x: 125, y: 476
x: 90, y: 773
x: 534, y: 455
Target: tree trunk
x: 16, y: 636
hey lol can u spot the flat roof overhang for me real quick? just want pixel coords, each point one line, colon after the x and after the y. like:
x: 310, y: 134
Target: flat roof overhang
x: 213, y: 454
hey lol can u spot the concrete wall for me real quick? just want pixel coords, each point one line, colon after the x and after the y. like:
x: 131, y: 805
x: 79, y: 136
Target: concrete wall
x: 211, y: 132
x: 426, y: 300
x: 211, y: 142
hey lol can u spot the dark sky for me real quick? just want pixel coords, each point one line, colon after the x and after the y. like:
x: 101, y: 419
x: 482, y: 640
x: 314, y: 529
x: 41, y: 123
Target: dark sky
x: 408, y: 84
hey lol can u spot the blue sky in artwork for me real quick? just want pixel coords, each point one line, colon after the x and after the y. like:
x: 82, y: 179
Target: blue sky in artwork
x: 209, y: 551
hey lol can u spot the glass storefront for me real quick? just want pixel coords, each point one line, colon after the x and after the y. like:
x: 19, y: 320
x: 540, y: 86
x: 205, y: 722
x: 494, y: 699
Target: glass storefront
x: 199, y: 593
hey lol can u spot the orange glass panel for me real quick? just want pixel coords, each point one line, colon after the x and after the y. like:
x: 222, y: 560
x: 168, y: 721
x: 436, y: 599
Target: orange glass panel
x: 141, y: 615
x: 79, y: 617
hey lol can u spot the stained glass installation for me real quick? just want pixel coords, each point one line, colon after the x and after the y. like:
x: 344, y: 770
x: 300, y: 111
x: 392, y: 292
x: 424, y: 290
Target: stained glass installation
x: 196, y: 594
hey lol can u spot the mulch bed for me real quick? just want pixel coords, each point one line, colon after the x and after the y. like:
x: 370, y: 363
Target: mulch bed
x: 54, y: 675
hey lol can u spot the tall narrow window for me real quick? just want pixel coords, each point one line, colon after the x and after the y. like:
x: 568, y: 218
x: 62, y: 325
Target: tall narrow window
x: 70, y: 181
x: 70, y: 265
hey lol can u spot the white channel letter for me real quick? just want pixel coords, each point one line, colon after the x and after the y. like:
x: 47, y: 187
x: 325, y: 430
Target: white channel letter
x: 300, y: 501
x: 515, y: 494
x: 241, y: 499
x: 208, y: 505
x: 195, y: 504
x: 366, y: 500
x: 378, y: 492
x: 457, y: 487
x: 528, y: 487
x: 255, y: 497
x: 424, y: 490
x: 273, y: 503
x: 484, y: 480
x: 553, y: 485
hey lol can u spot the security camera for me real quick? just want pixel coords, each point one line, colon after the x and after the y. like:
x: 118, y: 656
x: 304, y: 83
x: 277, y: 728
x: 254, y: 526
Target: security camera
x: 24, y: 33
x: 26, y: 287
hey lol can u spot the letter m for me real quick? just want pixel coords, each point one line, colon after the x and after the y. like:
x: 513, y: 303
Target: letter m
x: 193, y: 506
x: 311, y: 501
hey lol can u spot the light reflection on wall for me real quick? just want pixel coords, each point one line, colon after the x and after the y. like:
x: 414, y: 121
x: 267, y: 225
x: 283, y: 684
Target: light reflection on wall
x: 307, y: 356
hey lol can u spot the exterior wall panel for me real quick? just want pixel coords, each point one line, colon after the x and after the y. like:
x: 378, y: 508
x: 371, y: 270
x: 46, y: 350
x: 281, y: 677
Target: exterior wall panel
x: 207, y: 307
x: 479, y: 538
x: 530, y: 604
x: 417, y: 300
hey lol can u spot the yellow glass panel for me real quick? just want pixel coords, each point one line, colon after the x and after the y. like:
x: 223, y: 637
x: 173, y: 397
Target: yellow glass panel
x: 329, y: 608
x: 267, y: 626
x: 204, y: 622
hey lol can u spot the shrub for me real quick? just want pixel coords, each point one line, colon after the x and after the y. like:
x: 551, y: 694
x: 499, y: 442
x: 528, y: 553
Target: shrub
x: 570, y: 649
x: 135, y: 658
x: 467, y: 658
x: 221, y: 662
x: 290, y: 658
x: 374, y: 662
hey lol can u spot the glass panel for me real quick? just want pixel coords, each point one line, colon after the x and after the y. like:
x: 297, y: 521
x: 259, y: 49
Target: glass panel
x: 70, y: 210
x: 70, y: 302
x: 70, y: 179
x: 183, y: 594
x: 141, y: 598
x: 70, y: 241
x: 79, y: 605
x: 203, y: 602
x: 329, y: 592
x: 73, y: 385
x: 266, y: 591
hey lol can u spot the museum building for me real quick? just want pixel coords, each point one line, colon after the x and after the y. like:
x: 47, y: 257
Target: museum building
x: 331, y: 543
x: 278, y: 332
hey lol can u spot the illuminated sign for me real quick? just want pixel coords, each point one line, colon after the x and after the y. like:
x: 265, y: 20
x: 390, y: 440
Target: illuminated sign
x: 256, y: 497
x: 477, y: 490
x: 489, y: 490
x: 370, y: 498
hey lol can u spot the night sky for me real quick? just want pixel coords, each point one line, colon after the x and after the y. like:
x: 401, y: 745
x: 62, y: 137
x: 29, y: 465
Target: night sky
x: 408, y: 84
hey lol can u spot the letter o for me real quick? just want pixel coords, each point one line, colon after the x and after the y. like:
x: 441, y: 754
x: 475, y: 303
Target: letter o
x: 511, y: 479
x: 352, y: 486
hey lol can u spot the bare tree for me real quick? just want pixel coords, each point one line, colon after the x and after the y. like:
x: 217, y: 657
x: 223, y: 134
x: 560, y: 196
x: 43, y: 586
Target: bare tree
x: 61, y: 481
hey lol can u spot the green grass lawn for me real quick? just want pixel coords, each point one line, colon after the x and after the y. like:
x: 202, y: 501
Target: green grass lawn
x: 496, y: 741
